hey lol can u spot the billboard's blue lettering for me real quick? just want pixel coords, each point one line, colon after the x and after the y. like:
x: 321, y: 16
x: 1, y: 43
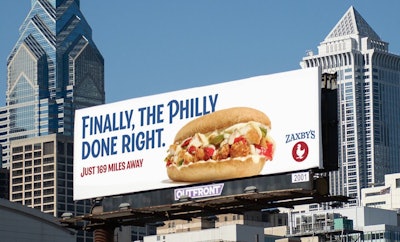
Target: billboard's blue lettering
x: 142, y: 140
x: 300, y: 135
x: 151, y: 115
x: 96, y: 128
x: 102, y: 147
x: 107, y: 123
x: 191, y: 108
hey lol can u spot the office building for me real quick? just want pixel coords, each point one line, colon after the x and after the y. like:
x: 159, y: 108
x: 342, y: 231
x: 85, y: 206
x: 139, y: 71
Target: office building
x: 41, y: 172
x: 4, y: 172
x: 345, y: 224
x: 53, y: 69
x: 368, y: 77
x: 232, y: 232
x: 4, y: 183
x: 385, y: 196
x: 251, y: 218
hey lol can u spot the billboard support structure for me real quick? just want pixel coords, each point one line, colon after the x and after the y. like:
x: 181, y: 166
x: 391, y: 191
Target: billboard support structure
x: 103, y: 222
x: 329, y: 121
x: 105, y: 231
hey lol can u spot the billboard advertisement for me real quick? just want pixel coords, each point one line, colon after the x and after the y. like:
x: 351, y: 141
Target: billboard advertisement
x: 255, y: 126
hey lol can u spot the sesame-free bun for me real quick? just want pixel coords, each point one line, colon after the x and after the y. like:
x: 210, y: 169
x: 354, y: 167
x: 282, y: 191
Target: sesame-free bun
x: 221, y: 119
x: 217, y: 170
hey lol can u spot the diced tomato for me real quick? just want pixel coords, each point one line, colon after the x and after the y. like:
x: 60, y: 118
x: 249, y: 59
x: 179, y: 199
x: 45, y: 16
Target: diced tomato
x: 192, y: 150
x: 208, y: 152
x: 265, y: 151
x: 261, y: 150
x: 240, y: 139
x: 186, y: 142
x: 169, y: 162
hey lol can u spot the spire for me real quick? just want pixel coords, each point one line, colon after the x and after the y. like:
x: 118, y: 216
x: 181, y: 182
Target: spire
x: 352, y: 23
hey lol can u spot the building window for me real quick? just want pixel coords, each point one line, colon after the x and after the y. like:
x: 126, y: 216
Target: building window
x: 37, y: 146
x: 398, y: 183
x: 375, y: 204
x: 60, y: 148
x: 48, y: 207
x: 48, y: 176
x: 48, y: 168
x: 17, y: 165
x: 48, y: 160
x: 70, y: 150
x: 48, y: 183
x: 17, y: 157
x: 17, y: 180
x: 48, y: 148
x: 17, y: 149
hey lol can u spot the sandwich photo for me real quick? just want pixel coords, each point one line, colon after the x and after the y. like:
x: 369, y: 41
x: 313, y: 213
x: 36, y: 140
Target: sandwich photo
x: 227, y: 144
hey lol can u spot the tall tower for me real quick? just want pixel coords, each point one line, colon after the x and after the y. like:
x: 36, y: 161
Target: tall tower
x: 53, y: 69
x: 368, y: 78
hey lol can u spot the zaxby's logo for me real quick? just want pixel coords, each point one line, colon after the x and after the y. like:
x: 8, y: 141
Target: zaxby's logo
x: 300, y: 148
x: 300, y: 151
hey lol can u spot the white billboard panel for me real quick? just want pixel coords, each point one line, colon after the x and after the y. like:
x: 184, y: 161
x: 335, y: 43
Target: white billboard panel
x: 124, y: 147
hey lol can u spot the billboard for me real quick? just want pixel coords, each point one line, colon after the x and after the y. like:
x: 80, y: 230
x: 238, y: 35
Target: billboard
x: 188, y: 136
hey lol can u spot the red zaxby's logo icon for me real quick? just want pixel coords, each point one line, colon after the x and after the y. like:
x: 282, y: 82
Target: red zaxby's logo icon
x: 300, y: 151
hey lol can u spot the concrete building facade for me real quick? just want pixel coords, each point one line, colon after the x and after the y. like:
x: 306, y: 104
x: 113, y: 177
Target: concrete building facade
x: 41, y: 175
x: 368, y: 77
x: 385, y: 196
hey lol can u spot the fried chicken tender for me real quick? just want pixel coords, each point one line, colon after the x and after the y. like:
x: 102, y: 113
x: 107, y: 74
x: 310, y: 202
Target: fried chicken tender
x: 223, y: 152
x: 239, y: 149
x: 253, y: 136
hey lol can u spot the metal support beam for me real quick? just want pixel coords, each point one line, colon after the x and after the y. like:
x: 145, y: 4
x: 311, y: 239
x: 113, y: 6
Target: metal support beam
x: 103, y: 230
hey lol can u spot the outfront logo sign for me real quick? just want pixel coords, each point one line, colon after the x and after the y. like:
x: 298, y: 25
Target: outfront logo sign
x: 256, y: 126
x: 199, y: 191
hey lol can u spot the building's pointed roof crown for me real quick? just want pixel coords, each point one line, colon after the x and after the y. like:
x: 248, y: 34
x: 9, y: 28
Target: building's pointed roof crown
x: 352, y: 23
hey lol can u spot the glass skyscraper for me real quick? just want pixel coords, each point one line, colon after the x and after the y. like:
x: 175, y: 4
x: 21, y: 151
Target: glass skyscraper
x: 368, y: 78
x: 53, y: 69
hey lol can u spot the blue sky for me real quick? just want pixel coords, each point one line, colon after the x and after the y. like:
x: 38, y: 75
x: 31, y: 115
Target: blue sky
x: 157, y: 46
